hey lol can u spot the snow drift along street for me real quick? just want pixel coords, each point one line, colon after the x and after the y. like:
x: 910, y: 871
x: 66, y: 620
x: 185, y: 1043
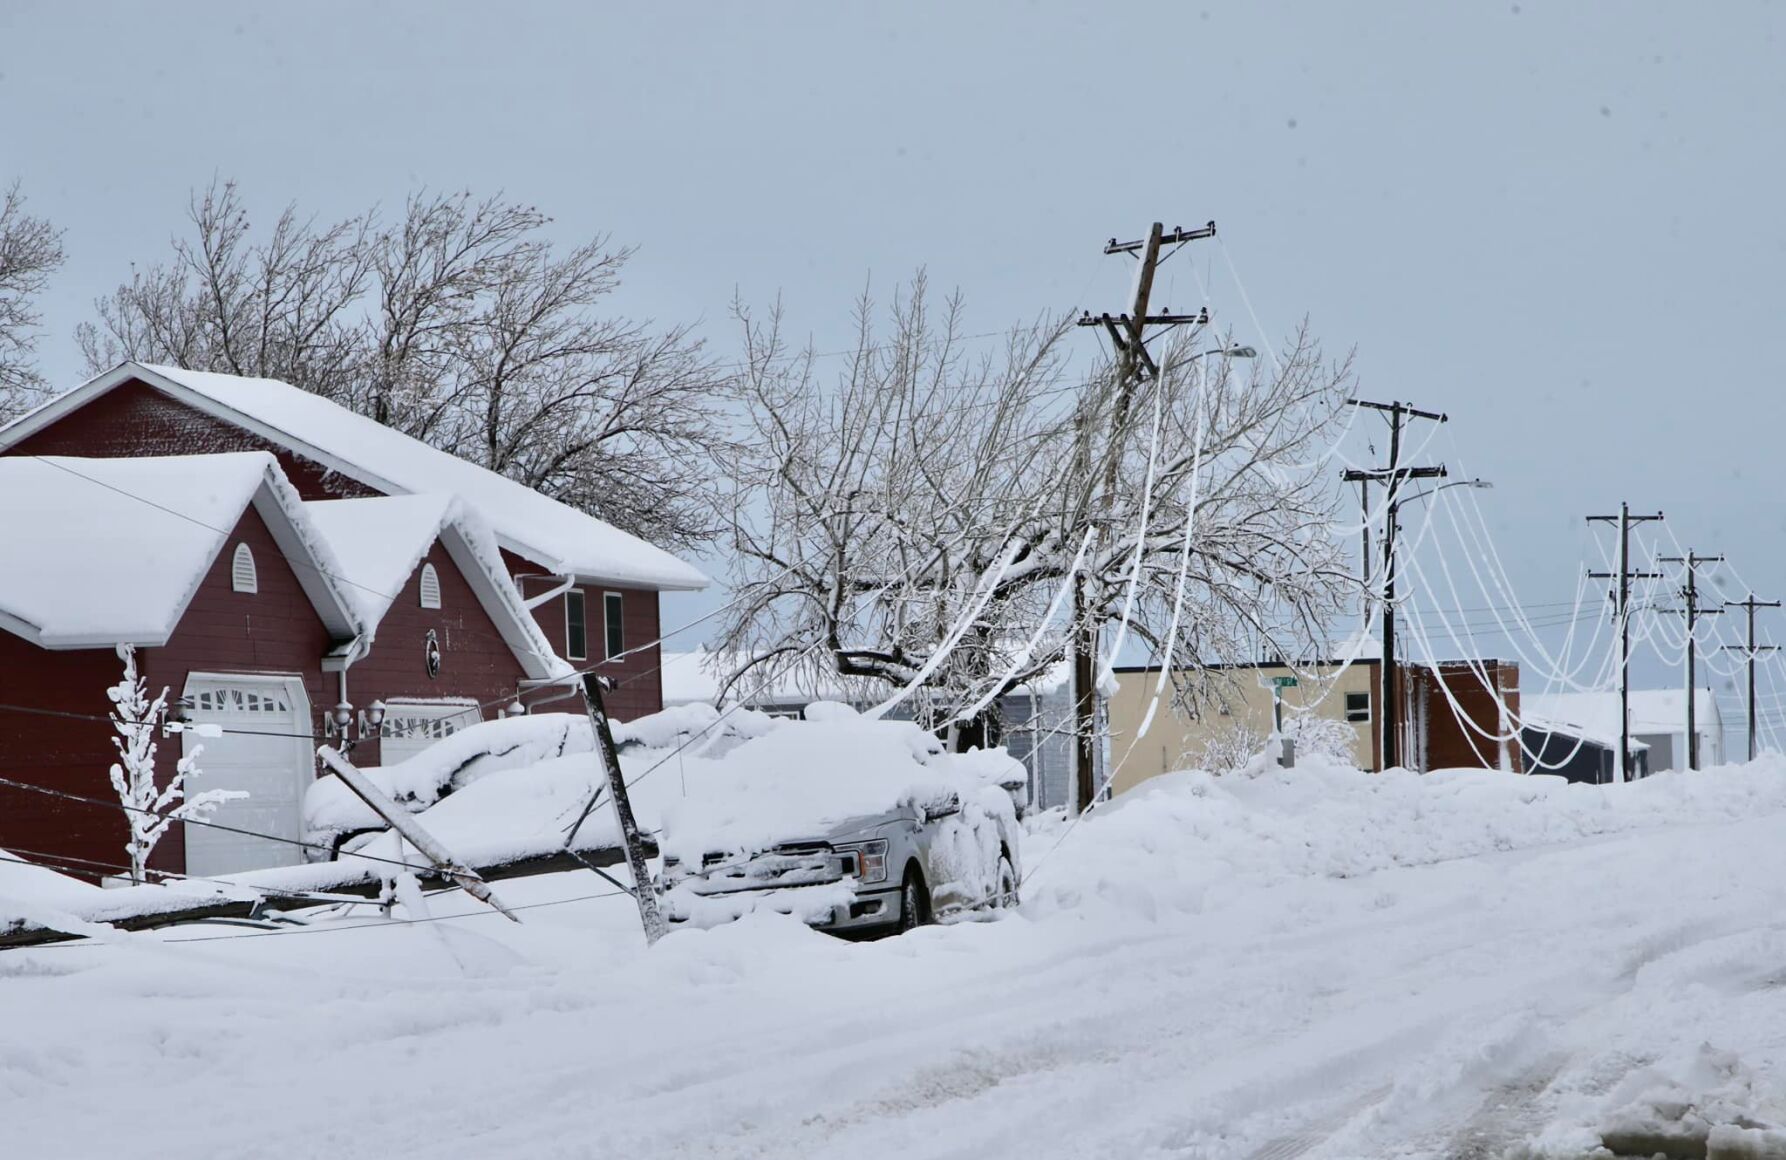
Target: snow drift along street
x: 1319, y: 963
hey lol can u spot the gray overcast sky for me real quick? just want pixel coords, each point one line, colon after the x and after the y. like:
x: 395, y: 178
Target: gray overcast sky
x: 1560, y: 223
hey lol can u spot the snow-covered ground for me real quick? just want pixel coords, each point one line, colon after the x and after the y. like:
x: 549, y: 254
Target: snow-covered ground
x: 1318, y: 964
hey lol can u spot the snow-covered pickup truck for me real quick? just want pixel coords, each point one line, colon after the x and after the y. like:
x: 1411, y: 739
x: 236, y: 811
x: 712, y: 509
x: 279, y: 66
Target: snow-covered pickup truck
x: 852, y: 825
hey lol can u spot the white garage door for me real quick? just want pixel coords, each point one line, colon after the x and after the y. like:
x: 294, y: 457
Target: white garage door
x: 412, y: 726
x: 265, y: 751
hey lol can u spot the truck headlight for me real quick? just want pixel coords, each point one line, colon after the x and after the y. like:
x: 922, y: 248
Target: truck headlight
x: 870, y: 859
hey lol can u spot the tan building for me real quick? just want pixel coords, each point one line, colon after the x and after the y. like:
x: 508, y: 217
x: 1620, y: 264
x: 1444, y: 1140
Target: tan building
x: 1237, y: 715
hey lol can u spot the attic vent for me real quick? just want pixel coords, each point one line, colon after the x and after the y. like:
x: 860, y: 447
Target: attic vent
x: 242, y: 576
x: 430, y: 587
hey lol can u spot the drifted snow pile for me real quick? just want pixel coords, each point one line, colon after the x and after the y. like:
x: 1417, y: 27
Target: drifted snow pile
x: 1165, y: 844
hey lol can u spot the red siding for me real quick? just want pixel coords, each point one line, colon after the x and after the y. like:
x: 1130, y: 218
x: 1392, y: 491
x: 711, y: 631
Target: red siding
x: 274, y: 630
x: 135, y: 419
x: 475, y: 661
x: 638, y: 686
x: 58, y: 752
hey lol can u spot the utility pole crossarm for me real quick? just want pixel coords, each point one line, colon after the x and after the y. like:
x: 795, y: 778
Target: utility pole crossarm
x: 1403, y: 408
x: 1385, y: 475
x: 1178, y: 235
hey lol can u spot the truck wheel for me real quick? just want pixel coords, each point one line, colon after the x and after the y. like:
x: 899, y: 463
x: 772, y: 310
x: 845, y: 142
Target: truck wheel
x: 914, y: 901
x: 1006, y: 898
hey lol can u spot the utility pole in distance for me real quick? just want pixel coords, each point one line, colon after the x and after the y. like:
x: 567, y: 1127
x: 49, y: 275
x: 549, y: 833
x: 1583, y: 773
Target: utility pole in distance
x: 1752, y: 650
x: 1622, y: 611
x: 1392, y: 477
x: 1690, y: 594
x: 1134, y: 364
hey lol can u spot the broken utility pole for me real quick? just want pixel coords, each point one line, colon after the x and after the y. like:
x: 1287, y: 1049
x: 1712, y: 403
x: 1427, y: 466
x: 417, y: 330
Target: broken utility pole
x: 1622, y: 611
x: 1392, y: 477
x: 1134, y: 363
x: 1692, y: 611
x: 1751, y: 649
x: 649, y: 916
x: 404, y: 823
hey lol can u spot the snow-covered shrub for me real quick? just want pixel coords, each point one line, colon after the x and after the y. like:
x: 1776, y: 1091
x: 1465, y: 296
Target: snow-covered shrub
x: 1324, y: 737
x: 149, y: 810
x: 1232, y: 749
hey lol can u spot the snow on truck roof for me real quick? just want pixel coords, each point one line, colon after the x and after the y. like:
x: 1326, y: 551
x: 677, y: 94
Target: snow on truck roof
x: 557, y: 536
x: 100, y: 552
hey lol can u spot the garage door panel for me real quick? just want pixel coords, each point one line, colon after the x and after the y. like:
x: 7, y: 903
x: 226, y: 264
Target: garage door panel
x: 265, y: 751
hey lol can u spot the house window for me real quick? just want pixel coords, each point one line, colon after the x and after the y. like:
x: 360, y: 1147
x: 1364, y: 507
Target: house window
x: 576, y: 630
x: 242, y: 576
x: 1358, y: 707
x: 616, y: 639
x: 430, y: 587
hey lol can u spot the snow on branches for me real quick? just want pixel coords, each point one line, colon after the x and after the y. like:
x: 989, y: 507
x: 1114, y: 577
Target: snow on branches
x: 150, y: 811
x: 915, y: 522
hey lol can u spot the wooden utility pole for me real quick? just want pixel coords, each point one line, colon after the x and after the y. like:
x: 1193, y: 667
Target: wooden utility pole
x: 1392, y: 477
x: 1622, y: 611
x: 1751, y: 649
x: 649, y: 916
x: 1692, y: 611
x: 1134, y: 364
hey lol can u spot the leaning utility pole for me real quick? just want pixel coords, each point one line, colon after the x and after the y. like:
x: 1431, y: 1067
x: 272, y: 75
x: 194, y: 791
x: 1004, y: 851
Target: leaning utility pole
x: 1392, y: 477
x: 1690, y: 594
x: 1134, y: 364
x: 1751, y: 649
x: 1622, y: 611
x: 650, y: 917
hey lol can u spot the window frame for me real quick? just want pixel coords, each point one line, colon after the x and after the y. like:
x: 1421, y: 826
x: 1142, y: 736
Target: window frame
x: 614, y: 625
x: 573, y: 649
x: 1368, y: 709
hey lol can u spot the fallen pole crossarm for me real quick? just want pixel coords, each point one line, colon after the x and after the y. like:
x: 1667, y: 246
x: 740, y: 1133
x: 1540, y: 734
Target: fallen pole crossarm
x: 404, y: 823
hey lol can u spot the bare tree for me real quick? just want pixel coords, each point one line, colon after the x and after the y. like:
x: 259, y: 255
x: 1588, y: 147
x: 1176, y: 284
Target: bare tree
x: 30, y: 251
x: 917, y: 521
x: 459, y: 323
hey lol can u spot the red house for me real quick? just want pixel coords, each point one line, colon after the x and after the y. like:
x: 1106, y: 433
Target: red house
x: 209, y: 567
x: 593, y: 589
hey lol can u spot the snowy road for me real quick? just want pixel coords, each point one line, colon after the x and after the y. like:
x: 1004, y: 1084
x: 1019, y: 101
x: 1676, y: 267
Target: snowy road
x: 1235, y: 1007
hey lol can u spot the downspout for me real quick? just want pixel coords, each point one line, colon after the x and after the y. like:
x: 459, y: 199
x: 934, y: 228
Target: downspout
x: 566, y: 582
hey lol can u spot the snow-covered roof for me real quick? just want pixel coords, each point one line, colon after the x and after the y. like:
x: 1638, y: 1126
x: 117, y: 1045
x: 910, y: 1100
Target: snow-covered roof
x: 557, y: 536
x: 695, y: 678
x: 100, y: 552
x: 1652, y: 710
x: 380, y: 541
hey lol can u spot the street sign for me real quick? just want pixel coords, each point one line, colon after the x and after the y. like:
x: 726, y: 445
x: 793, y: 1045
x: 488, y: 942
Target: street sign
x: 1284, y: 682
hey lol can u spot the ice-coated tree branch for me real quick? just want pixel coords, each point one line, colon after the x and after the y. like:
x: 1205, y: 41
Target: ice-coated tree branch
x: 917, y: 515
x: 455, y: 320
x: 30, y: 251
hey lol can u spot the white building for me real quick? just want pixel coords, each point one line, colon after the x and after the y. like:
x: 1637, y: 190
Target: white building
x: 1658, y: 719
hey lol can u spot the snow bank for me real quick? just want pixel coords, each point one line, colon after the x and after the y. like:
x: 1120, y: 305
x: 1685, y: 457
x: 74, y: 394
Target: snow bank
x: 1163, y: 845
